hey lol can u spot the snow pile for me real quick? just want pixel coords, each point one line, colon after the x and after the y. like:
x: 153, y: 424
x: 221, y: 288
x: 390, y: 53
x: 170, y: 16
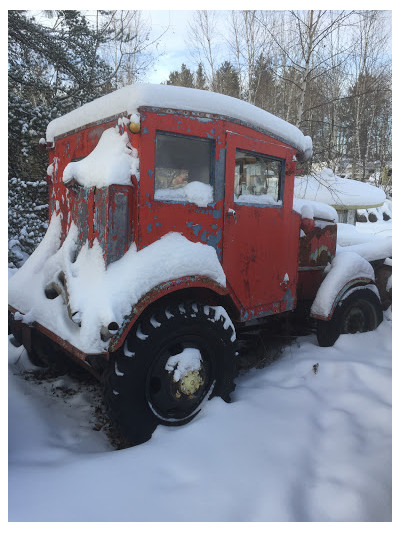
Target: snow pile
x: 130, y: 98
x: 189, y: 360
x: 330, y: 189
x: 311, y: 209
x: 195, y: 192
x: 313, y: 432
x: 111, y: 162
x: 371, y: 251
x: 264, y: 199
x: 347, y: 234
x: 96, y: 296
x: 345, y: 267
x: 370, y: 246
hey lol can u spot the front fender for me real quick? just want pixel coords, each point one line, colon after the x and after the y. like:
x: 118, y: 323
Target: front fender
x: 343, y: 293
x: 347, y: 270
x: 158, y: 292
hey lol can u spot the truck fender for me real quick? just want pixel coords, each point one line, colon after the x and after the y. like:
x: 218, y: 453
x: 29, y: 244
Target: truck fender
x: 344, y: 292
x: 347, y: 270
x: 196, y: 282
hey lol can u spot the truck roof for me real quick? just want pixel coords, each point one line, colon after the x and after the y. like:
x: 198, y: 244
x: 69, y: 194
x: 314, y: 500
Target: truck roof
x: 130, y: 98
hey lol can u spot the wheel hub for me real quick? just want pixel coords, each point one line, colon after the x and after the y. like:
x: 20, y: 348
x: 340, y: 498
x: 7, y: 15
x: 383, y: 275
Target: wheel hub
x: 190, y: 383
x: 355, y: 321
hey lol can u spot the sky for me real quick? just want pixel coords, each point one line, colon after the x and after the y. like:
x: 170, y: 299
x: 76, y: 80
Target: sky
x: 173, y: 42
x: 173, y: 24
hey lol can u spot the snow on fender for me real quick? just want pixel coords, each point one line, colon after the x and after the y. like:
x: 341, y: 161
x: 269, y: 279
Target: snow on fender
x: 346, y: 268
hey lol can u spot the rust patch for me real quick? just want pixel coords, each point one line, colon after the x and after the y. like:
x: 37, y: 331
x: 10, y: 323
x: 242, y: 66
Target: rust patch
x: 318, y: 247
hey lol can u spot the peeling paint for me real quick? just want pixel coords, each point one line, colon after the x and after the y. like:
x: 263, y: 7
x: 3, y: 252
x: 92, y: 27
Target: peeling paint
x: 195, y: 227
x: 203, y: 236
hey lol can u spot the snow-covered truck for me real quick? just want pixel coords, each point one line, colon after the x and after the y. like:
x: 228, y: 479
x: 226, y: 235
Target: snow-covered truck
x: 172, y: 227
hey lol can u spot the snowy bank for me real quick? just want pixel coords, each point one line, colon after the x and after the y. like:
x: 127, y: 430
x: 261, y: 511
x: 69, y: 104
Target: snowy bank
x: 306, y: 439
x: 130, y: 98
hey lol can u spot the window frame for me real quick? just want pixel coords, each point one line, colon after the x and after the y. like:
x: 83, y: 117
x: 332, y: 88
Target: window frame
x: 281, y: 185
x: 212, y: 162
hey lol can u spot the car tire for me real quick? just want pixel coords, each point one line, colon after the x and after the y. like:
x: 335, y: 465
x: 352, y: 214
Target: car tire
x: 140, y: 392
x: 359, y: 312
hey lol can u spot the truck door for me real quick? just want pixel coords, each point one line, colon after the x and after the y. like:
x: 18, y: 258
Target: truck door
x: 261, y: 231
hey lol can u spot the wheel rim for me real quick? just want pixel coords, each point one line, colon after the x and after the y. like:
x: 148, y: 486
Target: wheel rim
x: 175, y: 398
x: 358, y: 318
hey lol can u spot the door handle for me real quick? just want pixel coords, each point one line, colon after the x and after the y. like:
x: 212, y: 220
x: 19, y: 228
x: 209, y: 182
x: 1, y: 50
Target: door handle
x: 232, y: 213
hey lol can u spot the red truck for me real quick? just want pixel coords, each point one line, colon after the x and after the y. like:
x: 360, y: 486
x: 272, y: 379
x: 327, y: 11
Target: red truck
x: 172, y: 228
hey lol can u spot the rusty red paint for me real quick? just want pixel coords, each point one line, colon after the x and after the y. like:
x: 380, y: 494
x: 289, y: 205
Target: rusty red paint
x: 23, y: 331
x: 317, y: 248
x: 264, y: 241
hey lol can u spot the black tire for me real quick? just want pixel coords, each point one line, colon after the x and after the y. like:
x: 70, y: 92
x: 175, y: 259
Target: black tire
x: 32, y: 354
x: 47, y: 354
x: 361, y: 311
x: 35, y: 358
x: 140, y: 393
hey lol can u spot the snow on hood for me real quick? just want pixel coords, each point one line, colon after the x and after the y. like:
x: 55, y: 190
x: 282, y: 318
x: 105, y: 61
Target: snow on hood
x: 345, y: 267
x: 311, y: 209
x: 112, y: 161
x: 339, y: 192
x: 380, y: 248
x: 98, y: 296
x: 130, y: 98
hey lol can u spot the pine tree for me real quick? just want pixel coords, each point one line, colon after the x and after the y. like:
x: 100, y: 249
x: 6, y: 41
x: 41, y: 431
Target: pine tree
x: 182, y: 78
x: 262, y: 84
x: 227, y: 80
x: 200, y: 78
x: 51, y: 71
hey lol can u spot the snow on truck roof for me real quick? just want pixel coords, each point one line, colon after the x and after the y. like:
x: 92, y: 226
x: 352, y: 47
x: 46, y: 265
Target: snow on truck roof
x: 130, y: 98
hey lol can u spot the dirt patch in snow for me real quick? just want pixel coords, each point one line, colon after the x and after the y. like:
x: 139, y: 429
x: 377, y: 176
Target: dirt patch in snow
x: 67, y: 387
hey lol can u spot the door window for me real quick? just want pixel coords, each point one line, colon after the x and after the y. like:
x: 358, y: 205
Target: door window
x: 184, y: 168
x: 258, y: 179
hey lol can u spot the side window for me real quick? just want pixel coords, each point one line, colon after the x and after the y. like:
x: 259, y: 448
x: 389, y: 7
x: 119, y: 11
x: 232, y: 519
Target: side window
x: 184, y: 169
x: 258, y: 179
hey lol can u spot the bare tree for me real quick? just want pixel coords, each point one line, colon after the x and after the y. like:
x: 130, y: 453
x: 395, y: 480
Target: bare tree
x: 202, y: 40
x: 130, y: 48
x: 247, y: 42
x: 371, y: 75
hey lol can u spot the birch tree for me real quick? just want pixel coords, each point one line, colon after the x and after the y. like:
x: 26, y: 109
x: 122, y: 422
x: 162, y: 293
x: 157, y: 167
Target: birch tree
x: 202, y: 37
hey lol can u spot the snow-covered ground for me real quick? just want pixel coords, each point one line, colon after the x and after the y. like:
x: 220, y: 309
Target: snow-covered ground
x: 307, y: 438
